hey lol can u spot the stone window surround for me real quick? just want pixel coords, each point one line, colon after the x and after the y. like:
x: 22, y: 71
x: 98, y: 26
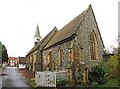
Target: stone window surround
x: 95, y: 50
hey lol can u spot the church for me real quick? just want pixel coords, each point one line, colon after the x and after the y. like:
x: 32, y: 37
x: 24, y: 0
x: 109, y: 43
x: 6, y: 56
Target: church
x: 79, y: 43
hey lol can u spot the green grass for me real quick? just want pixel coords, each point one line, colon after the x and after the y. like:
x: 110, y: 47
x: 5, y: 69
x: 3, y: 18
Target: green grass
x: 111, y: 83
x: 32, y: 83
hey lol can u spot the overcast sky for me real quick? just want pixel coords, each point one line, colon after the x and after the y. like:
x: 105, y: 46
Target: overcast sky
x: 19, y: 19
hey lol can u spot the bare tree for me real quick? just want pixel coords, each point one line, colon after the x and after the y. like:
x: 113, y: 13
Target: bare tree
x: 119, y: 43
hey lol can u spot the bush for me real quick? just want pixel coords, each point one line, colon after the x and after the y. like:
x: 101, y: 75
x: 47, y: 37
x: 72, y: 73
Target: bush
x: 96, y: 75
x: 62, y: 82
x: 111, y: 83
x: 32, y: 83
x: 112, y: 67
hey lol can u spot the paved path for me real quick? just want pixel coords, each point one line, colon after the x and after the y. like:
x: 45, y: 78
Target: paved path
x: 14, y: 78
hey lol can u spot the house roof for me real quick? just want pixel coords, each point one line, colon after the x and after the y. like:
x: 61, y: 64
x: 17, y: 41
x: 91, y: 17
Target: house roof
x: 44, y: 41
x: 66, y: 31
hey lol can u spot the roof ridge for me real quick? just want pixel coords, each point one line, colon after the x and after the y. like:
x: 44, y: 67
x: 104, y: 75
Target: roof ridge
x: 52, y: 36
x: 70, y: 21
x: 85, y: 11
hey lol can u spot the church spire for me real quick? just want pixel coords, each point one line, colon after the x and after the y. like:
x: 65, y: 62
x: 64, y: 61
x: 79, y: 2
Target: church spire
x: 37, y: 34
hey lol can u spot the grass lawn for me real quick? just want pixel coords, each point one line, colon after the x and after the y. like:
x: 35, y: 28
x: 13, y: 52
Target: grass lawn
x: 32, y: 83
x: 111, y: 83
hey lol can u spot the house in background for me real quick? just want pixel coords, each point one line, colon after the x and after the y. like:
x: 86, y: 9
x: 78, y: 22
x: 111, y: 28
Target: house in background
x: 12, y: 61
x: 21, y: 62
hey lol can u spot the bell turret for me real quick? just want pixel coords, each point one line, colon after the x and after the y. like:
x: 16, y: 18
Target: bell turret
x: 37, y: 36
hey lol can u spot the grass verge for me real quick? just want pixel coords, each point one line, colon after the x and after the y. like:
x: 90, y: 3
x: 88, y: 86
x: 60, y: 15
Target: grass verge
x: 111, y: 83
x: 32, y: 83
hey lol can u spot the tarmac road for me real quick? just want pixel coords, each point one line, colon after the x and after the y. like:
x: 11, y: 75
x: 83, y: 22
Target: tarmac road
x: 14, y: 79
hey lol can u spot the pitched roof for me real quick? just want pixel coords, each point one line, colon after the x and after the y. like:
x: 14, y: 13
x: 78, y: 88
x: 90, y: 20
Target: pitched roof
x: 67, y: 30
x: 44, y: 41
x: 70, y: 29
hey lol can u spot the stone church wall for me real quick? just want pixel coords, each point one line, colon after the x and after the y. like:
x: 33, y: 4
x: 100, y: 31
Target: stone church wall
x: 87, y: 25
x: 54, y: 50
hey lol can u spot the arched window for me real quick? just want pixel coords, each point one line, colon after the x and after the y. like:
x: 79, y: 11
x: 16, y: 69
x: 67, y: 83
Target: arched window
x: 93, y: 46
x: 49, y: 56
x: 85, y: 75
x: 79, y: 55
x: 71, y: 55
x: 59, y: 57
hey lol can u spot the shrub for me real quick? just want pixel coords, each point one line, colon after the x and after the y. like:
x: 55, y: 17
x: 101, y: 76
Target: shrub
x: 96, y: 75
x: 112, y: 67
x: 62, y: 82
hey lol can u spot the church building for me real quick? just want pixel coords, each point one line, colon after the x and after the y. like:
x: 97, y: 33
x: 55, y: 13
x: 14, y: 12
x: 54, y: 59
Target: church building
x: 79, y: 43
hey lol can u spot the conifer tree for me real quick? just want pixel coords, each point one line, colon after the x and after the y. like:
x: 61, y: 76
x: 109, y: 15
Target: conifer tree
x: 4, y: 54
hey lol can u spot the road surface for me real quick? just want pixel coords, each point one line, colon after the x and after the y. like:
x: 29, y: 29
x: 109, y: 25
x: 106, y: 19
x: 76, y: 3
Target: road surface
x: 14, y: 79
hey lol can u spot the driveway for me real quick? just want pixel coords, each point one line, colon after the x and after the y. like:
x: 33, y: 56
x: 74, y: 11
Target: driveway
x: 14, y: 79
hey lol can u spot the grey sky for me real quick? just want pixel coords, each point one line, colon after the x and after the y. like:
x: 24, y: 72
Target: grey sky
x: 19, y: 19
